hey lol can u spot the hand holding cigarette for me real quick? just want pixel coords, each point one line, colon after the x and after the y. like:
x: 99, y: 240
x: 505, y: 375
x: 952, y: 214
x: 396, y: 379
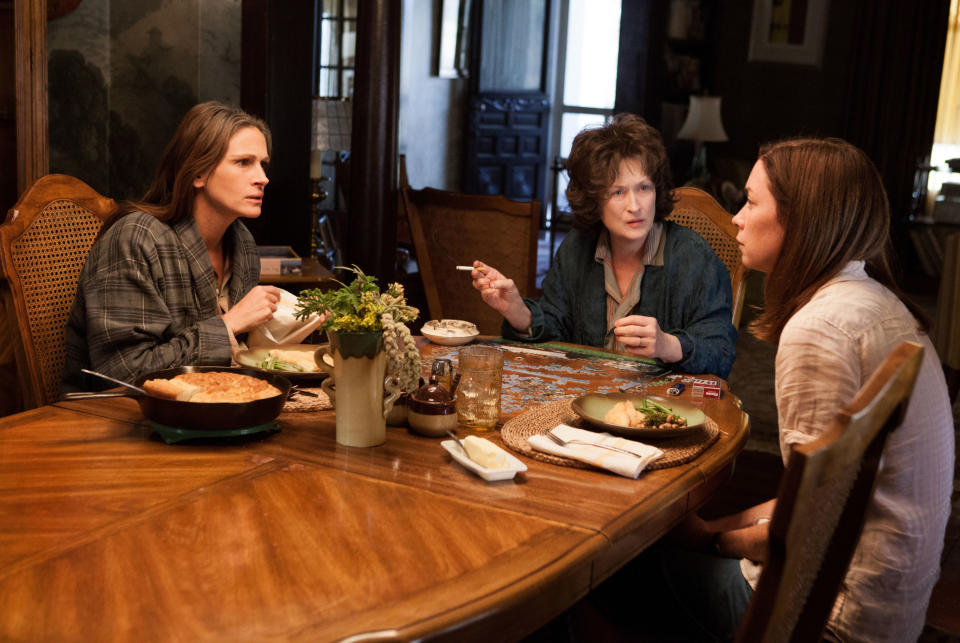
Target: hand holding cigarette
x: 500, y: 293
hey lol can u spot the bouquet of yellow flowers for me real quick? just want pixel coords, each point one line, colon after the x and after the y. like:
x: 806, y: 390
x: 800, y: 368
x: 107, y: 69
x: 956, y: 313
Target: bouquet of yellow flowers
x: 361, y: 307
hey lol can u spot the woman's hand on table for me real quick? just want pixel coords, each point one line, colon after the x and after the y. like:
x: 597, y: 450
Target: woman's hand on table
x: 256, y: 307
x: 642, y: 336
x: 694, y: 533
x: 501, y: 293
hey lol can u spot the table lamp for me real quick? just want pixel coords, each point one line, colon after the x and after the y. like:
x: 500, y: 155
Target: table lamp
x: 703, y: 125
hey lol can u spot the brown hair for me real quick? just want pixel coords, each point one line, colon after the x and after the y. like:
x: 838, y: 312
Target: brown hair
x: 198, y: 145
x: 833, y: 209
x: 595, y: 159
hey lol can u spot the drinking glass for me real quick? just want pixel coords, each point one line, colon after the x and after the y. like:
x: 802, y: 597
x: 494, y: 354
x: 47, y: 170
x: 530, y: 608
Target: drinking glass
x: 478, y: 396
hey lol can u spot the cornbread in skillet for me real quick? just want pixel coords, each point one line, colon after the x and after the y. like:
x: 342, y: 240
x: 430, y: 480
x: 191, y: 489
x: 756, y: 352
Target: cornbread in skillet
x: 212, y: 386
x: 174, y: 389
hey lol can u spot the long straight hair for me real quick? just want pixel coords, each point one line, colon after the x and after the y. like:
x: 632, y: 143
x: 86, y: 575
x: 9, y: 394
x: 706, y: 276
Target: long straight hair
x: 833, y: 209
x: 198, y: 145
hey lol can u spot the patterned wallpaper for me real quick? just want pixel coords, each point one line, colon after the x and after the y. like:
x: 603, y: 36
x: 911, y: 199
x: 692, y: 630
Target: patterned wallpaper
x: 121, y: 75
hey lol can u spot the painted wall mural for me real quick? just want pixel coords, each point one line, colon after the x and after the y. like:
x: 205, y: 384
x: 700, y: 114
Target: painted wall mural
x: 121, y: 75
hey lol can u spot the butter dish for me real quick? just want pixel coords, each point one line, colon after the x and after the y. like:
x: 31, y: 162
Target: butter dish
x: 490, y: 475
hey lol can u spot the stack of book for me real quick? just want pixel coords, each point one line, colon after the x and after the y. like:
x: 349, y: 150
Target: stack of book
x: 279, y: 260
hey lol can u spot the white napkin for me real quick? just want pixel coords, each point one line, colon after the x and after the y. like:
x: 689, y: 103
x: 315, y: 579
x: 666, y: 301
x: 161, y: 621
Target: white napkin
x: 620, y: 463
x: 284, y: 328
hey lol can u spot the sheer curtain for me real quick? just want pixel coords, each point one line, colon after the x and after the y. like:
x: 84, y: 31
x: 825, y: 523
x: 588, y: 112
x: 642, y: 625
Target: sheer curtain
x: 946, y: 137
x: 948, y: 107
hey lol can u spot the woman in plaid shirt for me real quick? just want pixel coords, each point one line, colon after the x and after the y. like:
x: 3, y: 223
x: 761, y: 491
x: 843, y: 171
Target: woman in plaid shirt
x: 172, y: 278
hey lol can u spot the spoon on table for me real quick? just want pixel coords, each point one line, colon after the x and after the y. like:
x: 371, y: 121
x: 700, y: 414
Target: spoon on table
x: 115, y: 381
x: 454, y: 436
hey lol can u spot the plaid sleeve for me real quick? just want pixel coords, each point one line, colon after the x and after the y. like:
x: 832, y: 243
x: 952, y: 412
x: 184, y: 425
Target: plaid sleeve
x: 142, y: 311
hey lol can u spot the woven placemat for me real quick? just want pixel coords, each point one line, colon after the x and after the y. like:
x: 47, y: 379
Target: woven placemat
x: 306, y: 403
x: 678, y: 450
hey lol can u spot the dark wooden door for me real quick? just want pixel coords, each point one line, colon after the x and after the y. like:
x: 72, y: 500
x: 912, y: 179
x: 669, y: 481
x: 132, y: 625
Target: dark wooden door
x: 508, y: 109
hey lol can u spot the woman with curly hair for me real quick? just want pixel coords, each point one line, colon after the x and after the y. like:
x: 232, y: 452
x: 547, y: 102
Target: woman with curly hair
x: 625, y: 278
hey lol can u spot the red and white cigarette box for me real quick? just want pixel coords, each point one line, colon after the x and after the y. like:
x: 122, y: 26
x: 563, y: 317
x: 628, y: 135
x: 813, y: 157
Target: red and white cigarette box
x: 706, y: 388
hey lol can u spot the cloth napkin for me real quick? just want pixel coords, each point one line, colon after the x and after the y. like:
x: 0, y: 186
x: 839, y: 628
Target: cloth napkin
x: 620, y: 463
x: 284, y: 328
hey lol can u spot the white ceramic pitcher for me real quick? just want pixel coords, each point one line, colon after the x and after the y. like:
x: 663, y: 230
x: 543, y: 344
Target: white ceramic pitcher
x: 358, y: 386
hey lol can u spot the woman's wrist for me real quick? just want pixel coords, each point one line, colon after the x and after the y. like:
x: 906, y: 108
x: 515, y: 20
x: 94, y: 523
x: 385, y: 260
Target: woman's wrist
x: 520, y: 320
x: 672, y: 349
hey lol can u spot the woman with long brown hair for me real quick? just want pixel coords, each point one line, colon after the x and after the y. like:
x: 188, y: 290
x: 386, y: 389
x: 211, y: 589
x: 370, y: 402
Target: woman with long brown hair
x: 172, y: 278
x: 817, y: 223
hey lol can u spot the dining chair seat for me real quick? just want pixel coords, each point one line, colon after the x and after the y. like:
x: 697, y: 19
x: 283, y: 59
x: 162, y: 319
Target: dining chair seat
x: 451, y: 229
x: 698, y: 210
x: 44, y: 243
x: 821, y: 504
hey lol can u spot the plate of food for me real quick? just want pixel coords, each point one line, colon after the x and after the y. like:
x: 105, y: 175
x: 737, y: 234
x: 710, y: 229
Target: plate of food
x: 450, y: 332
x: 636, y: 416
x: 293, y: 361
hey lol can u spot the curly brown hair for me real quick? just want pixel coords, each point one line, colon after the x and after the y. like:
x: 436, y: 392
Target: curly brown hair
x: 595, y: 159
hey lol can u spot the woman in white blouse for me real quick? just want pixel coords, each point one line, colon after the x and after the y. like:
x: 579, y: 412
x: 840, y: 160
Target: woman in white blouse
x: 817, y: 223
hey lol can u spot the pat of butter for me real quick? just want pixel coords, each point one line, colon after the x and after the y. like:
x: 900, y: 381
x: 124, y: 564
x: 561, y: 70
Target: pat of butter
x: 485, y: 453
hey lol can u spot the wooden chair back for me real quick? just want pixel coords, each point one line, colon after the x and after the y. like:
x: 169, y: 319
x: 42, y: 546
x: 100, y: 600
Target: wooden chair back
x: 821, y: 505
x: 698, y: 210
x: 451, y: 229
x: 44, y: 243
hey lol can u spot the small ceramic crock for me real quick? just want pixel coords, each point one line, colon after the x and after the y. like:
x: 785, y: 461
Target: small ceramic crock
x: 431, y: 409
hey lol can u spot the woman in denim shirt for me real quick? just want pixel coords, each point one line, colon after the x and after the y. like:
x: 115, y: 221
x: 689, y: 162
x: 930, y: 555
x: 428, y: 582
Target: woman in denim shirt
x: 625, y: 278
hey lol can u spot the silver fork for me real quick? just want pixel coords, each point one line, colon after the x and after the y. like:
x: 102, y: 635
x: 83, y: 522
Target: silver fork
x: 556, y: 438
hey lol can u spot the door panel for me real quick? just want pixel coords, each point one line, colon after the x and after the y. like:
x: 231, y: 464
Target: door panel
x: 506, y: 145
x: 508, y: 113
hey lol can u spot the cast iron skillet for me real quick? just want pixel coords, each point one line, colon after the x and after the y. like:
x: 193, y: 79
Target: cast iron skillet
x: 206, y: 416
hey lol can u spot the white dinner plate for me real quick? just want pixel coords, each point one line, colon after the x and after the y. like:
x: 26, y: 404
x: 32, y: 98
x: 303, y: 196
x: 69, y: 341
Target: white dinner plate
x: 254, y: 357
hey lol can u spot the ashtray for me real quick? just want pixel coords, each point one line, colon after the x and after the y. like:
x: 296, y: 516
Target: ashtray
x: 450, y: 332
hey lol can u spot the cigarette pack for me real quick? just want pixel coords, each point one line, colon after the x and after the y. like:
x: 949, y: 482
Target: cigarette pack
x: 706, y: 388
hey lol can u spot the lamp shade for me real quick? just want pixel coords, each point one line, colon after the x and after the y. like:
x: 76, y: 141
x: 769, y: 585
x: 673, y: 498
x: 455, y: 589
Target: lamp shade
x: 703, y: 120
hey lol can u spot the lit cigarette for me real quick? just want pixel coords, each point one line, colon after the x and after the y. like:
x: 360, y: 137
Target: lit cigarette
x: 467, y: 268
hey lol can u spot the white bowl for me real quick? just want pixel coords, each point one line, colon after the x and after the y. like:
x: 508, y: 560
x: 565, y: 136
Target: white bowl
x: 449, y: 332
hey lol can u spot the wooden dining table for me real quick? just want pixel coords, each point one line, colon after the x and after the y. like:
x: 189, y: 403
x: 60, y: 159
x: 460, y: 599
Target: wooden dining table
x: 109, y: 533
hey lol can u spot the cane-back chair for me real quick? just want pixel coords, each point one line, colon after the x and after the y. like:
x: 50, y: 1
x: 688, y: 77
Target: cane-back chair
x: 821, y: 505
x: 451, y: 229
x: 44, y: 243
x: 698, y: 210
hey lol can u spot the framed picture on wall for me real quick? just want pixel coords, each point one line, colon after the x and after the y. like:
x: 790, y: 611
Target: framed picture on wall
x: 788, y: 31
x: 451, y: 57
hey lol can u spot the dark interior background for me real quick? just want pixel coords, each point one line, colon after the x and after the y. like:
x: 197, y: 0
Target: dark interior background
x: 120, y: 81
